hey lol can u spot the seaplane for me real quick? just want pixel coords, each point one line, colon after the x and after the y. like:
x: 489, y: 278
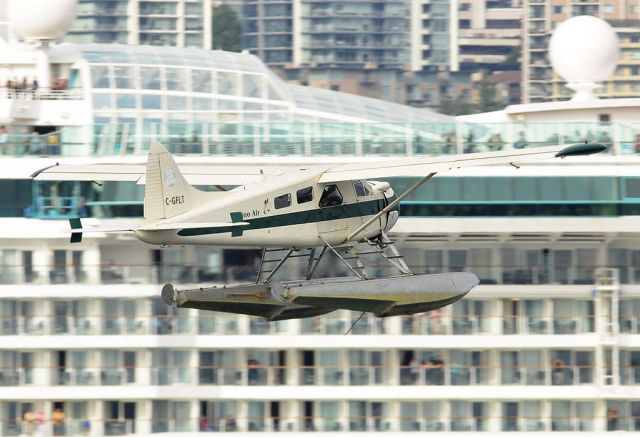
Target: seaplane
x: 302, y: 211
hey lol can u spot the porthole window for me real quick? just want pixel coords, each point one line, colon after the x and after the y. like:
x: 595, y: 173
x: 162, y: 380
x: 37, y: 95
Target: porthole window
x: 304, y: 195
x: 282, y: 201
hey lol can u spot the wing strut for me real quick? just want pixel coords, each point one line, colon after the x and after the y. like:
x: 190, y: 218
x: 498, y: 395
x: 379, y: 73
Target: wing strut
x: 360, y: 266
x: 390, y: 206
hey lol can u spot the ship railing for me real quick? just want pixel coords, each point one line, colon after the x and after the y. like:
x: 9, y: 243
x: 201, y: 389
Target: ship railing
x: 41, y: 93
x: 159, y: 423
x: 190, y: 322
x: 277, y: 375
x: 111, y: 272
x: 321, y: 139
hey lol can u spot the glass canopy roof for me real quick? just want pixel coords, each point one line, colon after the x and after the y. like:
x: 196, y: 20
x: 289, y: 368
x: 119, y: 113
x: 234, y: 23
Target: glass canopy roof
x: 197, y: 80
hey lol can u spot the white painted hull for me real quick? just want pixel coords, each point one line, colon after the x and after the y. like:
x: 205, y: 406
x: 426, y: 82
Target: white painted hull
x: 303, y: 235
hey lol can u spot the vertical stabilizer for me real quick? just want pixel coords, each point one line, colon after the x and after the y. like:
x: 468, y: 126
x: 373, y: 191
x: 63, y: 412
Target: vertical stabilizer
x: 167, y: 194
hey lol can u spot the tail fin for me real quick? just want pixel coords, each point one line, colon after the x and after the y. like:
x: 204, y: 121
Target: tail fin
x: 167, y: 194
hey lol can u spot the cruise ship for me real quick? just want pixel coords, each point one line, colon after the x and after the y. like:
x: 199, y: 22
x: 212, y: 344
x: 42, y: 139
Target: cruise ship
x: 549, y: 341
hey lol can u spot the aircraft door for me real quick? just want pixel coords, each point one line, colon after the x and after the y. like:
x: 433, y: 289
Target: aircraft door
x: 331, y: 205
x: 368, y: 204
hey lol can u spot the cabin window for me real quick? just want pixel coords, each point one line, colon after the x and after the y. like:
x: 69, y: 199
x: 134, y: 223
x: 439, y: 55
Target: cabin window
x: 282, y: 201
x: 304, y: 195
x: 331, y: 196
x: 361, y: 188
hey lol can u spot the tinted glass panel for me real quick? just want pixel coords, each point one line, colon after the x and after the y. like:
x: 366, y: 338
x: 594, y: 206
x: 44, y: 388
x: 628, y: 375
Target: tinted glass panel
x: 605, y: 188
x: 100, y: 76
x: 227, y: 83
x: 123, y: 77
x: 151, y: 102
x: 126, y: 101
x: 577, y: 188
x: 550, y: 188
x: 474, y: 188
x: 176, y: 79
x: 201, y: 81
x: 201, y: 104
x: 177, y: 102
x: 304, y: 195
x: 102, y: 101
x: 150, y: 78
x: 282, y: 201
x: 632, y: 187
x: 448, y: 189
x: 525, y: 188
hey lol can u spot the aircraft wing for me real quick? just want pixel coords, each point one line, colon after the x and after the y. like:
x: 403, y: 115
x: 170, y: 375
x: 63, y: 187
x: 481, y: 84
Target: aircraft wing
x: 422, y: 166
x: 242, y: 173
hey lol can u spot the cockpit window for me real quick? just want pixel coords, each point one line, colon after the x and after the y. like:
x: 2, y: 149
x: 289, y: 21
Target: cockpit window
x: 362, y: 188
x: 304, y: 195
x: 331, y: 196
x: 282, y: 201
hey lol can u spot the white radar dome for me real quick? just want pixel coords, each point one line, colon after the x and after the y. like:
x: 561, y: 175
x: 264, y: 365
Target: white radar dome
x: 584, y: 49
x: 46, y: 20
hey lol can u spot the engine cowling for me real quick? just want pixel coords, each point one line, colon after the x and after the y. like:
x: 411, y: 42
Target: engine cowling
x: 389, y: 196
x: 394, y: 214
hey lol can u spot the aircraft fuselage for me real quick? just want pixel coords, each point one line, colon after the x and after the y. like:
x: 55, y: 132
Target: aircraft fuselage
x: 291, y: 210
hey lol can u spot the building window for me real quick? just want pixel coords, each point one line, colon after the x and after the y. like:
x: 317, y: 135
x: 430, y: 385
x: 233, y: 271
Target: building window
x: 440, y: 25
x: 522, y: 416
x: 573, y: 316
x: 469, y: 416
x: 420, y: 416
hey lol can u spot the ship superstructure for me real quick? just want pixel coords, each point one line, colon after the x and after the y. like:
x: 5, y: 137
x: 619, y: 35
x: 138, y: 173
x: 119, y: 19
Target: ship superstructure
x: 550, y: 340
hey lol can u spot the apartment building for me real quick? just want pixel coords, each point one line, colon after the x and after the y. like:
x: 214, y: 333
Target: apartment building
x: 178, y: 23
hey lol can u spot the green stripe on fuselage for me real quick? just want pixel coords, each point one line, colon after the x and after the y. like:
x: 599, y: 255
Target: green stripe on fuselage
x: 349, y: 210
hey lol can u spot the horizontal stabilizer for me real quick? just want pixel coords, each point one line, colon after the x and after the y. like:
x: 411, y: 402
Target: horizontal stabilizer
x: 77, y: 230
